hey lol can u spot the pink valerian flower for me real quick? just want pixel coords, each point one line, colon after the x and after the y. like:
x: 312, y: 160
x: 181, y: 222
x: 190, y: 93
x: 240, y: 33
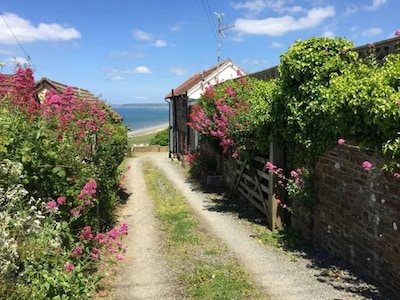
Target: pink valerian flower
x: 61, y: 200
x: 87, y: 233
x: 78, y: 251
x: 367, y: 165
x: 397, y: 33
x: 123, y: 229
x: 75, y: 212
x: 270, y: 166
x: 94, y: 255
x: 230, y: 91
x: 341, y: 141
x: 51, y: 205
x: 396, y: 175
x: 95, y: 250
x: 68, y: 267
x: 89, y: 190
x: 120, y: 257
x: 294, y: 174
x: 100, y: 238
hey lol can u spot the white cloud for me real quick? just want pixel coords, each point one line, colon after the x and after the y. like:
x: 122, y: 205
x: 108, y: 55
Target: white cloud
x: 372, y: 31
x: 282, y: 25
x: 160, y: 43
x: 276, y: 45
x: 351, y: 10
x: 376, y: 4
x: 116, y: 74
x: 328, y: 34
x: 142, y: 70
x: 26, y: 32
x: 142, y: 35
x: 179, y: 70
x: 255, y: 7
x: 177, y: 26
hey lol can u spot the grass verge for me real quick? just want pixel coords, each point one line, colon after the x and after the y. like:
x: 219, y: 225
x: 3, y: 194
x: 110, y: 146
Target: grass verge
x: 202, y: 263
x: 141, y: 138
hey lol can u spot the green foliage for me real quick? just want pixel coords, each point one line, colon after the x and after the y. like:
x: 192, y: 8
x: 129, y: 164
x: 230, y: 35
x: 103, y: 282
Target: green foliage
x: 66, y: 149
x: 251, y: 101
x: 161, y: 138
x: 304, y: 117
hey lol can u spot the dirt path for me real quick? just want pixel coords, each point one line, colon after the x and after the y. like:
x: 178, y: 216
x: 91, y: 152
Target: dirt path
x: 144, y: 275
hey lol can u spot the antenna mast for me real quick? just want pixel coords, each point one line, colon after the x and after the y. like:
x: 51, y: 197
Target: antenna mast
x: 221, y: 30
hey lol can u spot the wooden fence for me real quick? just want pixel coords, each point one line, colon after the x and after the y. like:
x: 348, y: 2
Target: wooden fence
x: 255, y: 184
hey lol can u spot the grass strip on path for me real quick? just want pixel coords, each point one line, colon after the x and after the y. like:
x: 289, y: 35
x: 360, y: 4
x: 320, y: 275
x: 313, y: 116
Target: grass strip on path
x: 201, y: 262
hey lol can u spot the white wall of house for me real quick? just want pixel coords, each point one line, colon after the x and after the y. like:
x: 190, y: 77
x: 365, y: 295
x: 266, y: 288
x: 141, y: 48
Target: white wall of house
x: 226, y: 72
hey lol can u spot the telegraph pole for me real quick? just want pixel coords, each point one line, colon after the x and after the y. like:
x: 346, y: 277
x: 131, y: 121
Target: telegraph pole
x: 221, y: 30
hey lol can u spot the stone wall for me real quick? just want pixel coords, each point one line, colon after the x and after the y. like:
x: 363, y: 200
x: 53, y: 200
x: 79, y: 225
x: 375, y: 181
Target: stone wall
x: 357, y: 213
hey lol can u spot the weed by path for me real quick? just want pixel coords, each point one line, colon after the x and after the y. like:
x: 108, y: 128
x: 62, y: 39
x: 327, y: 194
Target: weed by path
x: 202, y: 263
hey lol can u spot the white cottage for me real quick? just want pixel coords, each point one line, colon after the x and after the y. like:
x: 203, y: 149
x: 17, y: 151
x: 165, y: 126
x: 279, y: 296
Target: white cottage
x: 180, y: 99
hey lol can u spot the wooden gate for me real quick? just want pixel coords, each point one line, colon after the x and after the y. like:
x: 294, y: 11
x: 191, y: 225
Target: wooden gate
x: 256, y: 185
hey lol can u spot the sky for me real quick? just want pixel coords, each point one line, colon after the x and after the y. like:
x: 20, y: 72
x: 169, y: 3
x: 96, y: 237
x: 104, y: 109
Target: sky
x: 127, y: 51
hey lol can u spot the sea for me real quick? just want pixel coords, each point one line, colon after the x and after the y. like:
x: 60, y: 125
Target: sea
x: 142, y: 117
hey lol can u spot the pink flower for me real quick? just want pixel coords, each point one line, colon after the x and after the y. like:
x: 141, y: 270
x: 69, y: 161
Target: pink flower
x: 51, y: 205
x: 68, y: 267
x: 278, y: 201
x: 341, y: 141
x: 87, y: 233
x: 294, y: 174
x: 120, y: 257
x: 77, y: 251
x: 100, y: 238
x: 61, y: 200
x: 396, y: 175
x: 94, y: 255
x: 75, y: 212
x: 270, y: 166
x: 367, y: 165
x: 397, y: 33
x: 95, y: 250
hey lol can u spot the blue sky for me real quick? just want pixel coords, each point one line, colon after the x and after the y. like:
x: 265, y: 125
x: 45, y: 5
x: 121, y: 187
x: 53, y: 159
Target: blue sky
x: 137, y: 51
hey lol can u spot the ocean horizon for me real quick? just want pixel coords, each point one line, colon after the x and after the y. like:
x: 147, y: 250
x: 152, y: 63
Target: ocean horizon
x: 143, y: 116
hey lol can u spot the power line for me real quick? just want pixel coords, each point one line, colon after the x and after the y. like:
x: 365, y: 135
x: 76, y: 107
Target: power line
x: 210, y: 18
x: 28, y: 58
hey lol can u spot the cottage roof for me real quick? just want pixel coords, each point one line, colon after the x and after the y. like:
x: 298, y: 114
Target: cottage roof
x: 47, y: 84
x: 196, y: 79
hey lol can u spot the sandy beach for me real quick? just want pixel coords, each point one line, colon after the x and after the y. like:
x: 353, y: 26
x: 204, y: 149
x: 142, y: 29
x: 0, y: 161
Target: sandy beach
x: 149, y: 130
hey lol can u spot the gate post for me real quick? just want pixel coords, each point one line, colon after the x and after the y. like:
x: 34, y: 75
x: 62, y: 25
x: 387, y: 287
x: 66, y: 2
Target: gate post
x: 276, y: 157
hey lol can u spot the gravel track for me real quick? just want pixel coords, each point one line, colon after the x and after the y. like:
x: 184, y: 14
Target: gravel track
x: 145, y: 274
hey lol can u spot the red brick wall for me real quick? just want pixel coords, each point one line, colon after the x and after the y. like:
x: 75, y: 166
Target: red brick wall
x: 357, y: 213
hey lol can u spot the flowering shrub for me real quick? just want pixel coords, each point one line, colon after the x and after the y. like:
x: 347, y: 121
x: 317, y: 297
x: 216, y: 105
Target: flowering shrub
x: 59, y: 180
x: 296, y: 184
x: 39, y: 253
x: 236, y: 114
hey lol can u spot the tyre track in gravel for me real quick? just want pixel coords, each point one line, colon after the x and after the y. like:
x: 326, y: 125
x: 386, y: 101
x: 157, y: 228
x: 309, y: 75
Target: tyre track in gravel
x: 145, y: 274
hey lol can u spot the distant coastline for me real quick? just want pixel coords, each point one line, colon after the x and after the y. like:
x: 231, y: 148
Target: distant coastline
x: 148, y: 130
x: 142, y: 118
